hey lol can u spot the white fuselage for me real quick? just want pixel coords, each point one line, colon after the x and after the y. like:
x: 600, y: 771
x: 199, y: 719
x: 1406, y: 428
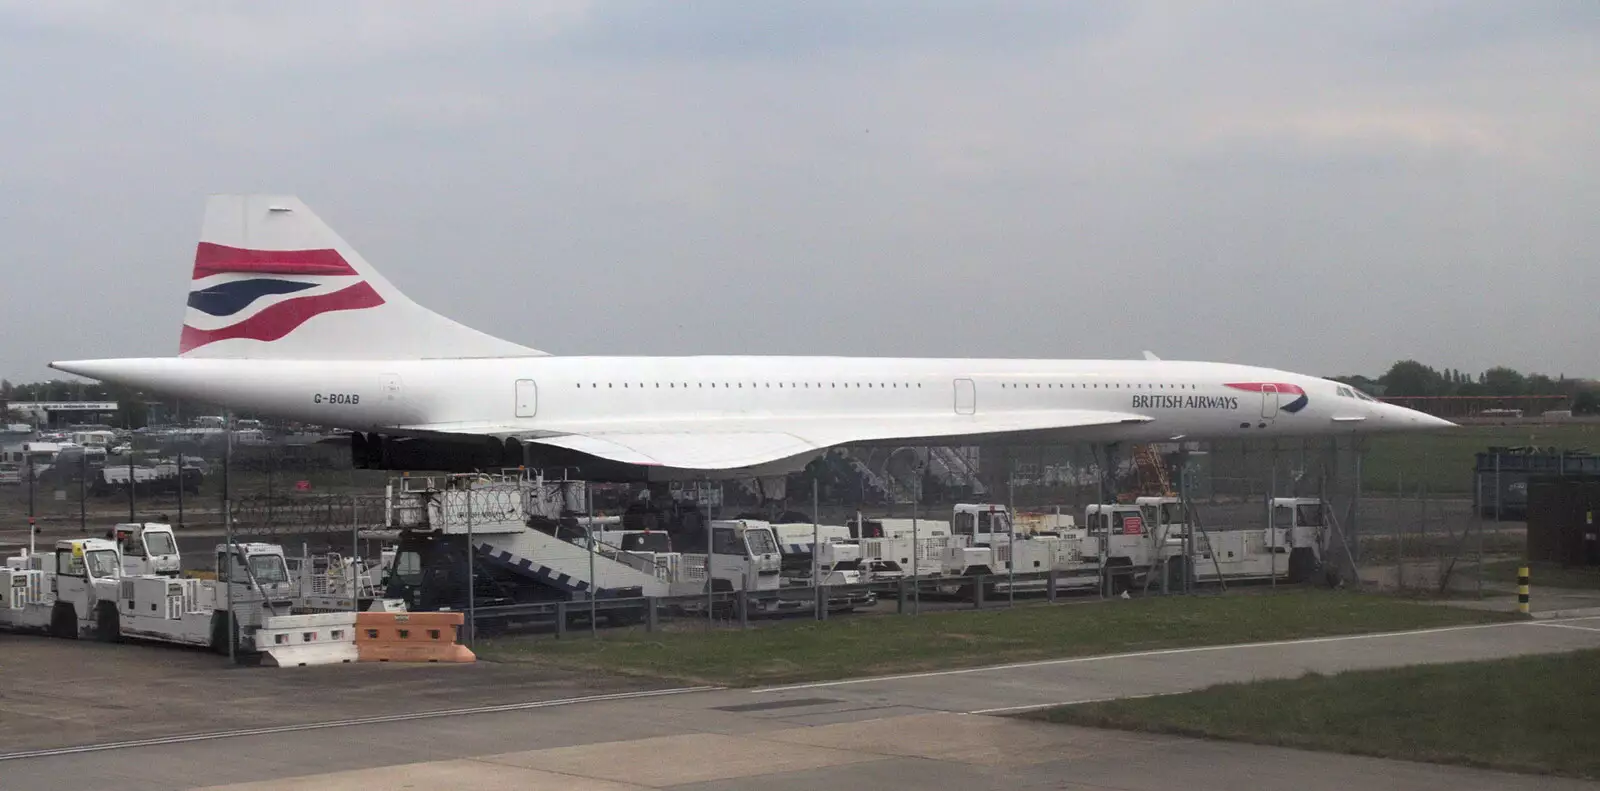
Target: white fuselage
x: 1191, y: 400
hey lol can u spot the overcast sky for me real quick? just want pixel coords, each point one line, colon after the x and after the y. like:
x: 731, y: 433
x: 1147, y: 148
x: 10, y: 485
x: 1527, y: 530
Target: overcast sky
x: 1319, y: 186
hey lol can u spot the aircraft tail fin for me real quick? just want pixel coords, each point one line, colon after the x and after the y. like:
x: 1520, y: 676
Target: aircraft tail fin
x: 272, y: 281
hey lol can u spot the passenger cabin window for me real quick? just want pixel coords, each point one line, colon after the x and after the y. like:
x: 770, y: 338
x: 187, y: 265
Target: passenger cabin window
x: 1282, y: 516
x: 1119, y: 524
x: 726, y: 541
x: 1310, y: 514
x: 68, y: 564
x: 1170, y: 513
x: 965, y: 524
x: 981, y: 523
x: 131, y: 547
x: 408, y: 568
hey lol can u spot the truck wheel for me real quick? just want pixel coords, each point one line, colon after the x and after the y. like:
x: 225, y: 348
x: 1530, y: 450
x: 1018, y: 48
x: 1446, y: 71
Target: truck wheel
x: 107, y: 622
x: 1117, y: 577
x: 219, y: 633
x: 64, y: 622
x: 1177, y: 570
x: 1302, y: 564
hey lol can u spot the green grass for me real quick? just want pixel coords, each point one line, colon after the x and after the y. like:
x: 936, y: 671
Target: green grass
x: 1442, y: 462
x: 1543, y: 575
x: 1530, y: 714
x: 863, y: 646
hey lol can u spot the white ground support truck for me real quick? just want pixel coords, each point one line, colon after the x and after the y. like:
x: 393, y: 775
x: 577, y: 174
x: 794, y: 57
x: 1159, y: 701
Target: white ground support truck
x: 1291, y: 548
x: 984, y: 541
x: 1129, y: 545
x: 81, y: 591
x: 148, y: 548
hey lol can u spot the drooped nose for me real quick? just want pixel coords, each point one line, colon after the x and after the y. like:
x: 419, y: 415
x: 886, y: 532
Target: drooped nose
x: 1399, y: 417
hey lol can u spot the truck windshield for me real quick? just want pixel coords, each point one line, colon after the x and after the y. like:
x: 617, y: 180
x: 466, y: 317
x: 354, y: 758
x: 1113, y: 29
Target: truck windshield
x: 269, y: 569
x: 994, y: 522
x: 159, y: 544
x: 1310, y: 514
x: 646, y: 542
x: 102, y: 563
x: 1173, y: 514
x: 760, y: 542
x: 408, y: 568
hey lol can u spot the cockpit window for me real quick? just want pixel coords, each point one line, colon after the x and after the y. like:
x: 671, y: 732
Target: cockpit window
x: 1345, y: 391
x: 1365, y: 397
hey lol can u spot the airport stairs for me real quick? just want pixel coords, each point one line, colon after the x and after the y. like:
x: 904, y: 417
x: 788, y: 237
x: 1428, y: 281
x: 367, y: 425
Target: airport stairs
x: 872, y: 484
x: 565, y: 566
x: 955, y: 468
x: 1154, y: 480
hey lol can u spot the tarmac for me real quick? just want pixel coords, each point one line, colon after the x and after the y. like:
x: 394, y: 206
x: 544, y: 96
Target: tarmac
x: 143, y: 717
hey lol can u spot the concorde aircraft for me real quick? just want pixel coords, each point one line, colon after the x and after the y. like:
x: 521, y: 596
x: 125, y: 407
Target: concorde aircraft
x: 286, y: 319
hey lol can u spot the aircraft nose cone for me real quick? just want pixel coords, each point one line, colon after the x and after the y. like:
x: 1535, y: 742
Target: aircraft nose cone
x: 1412, y: 419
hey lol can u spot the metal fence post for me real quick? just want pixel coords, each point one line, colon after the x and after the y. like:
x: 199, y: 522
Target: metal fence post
x: 594, y: 584
x: 1272, y: 529
x: 711, y: 588
x: 472, y: 565
x: 977, y: 592
x: 1011, y: 543
x: 83, y: 493
x: 132, y: 509
x: 227, y: 529
x: 561, y: 618
x: 650, y: 614
x: 816, y: 554
x: 1050, y: 586
x: 180, y: 491
x: 916, y: 549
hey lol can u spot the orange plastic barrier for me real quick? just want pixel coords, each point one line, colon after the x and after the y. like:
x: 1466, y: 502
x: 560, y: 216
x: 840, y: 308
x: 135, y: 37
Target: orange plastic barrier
x: 411, y: 637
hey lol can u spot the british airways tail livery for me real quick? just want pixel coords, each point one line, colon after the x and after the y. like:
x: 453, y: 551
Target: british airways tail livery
x: 286, y: 319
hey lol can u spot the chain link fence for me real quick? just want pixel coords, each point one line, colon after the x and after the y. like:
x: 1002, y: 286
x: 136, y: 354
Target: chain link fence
x: 1401, y: 510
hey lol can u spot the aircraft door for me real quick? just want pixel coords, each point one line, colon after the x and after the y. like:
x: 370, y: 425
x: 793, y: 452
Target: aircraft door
x: 393, y: 389
x: 1269, y: 402
x: 966, y: 397
x: 527, y: 398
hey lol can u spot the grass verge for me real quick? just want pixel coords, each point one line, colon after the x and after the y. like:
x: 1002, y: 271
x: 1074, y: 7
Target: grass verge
x: 863, y: 646
x: 1530, y: 714
x: 1442, y: 462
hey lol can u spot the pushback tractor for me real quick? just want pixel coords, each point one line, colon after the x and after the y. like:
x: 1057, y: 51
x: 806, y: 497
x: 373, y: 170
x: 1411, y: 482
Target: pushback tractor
x: 82, y: 590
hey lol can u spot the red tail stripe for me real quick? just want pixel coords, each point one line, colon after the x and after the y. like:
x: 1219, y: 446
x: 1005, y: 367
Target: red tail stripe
x: 213, y: 259
x: 278, y: 320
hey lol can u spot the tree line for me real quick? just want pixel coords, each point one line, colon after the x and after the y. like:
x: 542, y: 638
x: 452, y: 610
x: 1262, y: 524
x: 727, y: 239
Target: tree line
x: 1412, y: 379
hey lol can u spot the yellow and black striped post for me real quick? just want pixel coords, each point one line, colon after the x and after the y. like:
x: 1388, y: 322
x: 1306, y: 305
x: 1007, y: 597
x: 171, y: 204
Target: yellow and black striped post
x: 1522, y: 589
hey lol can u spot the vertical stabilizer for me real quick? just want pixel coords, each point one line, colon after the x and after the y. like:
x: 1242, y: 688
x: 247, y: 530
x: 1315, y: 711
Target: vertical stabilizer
x: 272, y: 281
